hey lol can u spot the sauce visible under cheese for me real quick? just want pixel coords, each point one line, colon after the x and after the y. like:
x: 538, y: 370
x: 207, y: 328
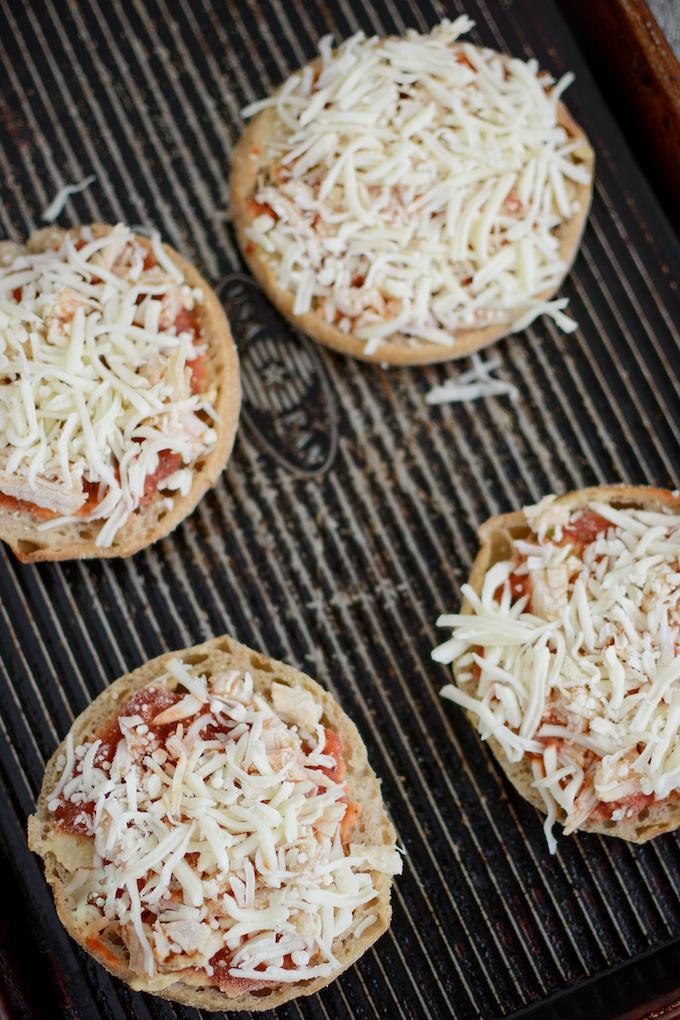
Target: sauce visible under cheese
x: 571, y: 657
x: 222, y: 834
x: 416, y: 187
x: 104, y: 382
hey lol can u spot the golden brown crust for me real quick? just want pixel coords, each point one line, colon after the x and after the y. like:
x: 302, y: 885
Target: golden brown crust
x: 373, y: 826
x: 495, y: 535
x: 77, y: 541
x: 249, y: 157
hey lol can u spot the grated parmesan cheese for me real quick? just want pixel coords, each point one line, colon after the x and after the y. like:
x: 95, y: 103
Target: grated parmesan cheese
x: 581, y: 669
x: 217, y: 838
x: 96, y: 386
x: 415, y: 188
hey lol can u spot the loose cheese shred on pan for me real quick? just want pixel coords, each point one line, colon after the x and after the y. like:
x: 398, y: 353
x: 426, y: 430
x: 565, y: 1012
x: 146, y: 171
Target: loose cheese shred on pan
x: 571, y: 654
x: 216, y: 816
x: 95, y: 360
x: 474, y: 384
x: 57, y: 204
x: 416, y: 187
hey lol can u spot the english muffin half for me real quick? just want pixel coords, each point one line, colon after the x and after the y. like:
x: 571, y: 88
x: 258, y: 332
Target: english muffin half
x: 120, y: 392
x: 412, y: 200
x: 566, y: 657
x: 213, y: 832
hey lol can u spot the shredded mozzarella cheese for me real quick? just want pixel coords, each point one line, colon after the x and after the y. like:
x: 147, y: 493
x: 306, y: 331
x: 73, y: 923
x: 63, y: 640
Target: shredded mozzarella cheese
x: 581, y: 670
x: 474, y: 384
x: 416, y: 187
x: 57, y: 204
x: 96, y: 383
x: 217, y: 834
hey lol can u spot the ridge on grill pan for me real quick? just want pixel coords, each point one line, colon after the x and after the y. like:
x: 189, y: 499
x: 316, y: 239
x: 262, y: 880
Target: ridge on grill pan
x: 341, y: 570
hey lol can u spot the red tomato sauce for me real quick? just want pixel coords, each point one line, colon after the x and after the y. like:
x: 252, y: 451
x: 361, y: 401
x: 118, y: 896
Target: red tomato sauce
x: 199, y: 374
x: 514, y: 203
x: 635, y: 803
x: 147, y: 703
x: 475, y: 668
x: 581, y: 532
x: 261, y: 209
x: 73, y: 817
x: 586, y: 528
x: 150, y: 702
x: 520, y: 584
x: 221, y: 964
x: 334, y: 748
x: 100, y: 949
x: 168, y: 463
x: 187, y: 322
x: 91, y: 490
x: 25, y: 506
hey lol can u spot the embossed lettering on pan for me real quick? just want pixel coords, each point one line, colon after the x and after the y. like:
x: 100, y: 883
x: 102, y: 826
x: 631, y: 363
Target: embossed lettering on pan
x: 288, y: 402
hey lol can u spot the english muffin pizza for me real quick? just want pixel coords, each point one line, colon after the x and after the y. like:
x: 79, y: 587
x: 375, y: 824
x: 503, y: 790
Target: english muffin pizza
x: 213, y: 832
x: 120, y: 392
x: 566, y: 656
x: 411, y: 200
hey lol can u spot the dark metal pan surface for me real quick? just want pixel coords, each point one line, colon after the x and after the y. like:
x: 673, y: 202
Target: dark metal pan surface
x: 346, y: 519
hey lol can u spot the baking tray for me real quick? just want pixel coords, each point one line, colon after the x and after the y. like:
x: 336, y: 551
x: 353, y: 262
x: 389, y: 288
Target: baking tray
x: 346, y: 519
